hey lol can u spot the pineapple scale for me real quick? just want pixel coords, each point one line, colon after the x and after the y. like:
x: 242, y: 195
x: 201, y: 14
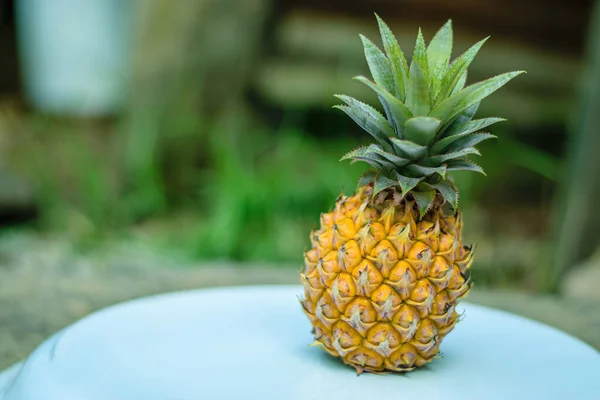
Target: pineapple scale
x: 381, y: 286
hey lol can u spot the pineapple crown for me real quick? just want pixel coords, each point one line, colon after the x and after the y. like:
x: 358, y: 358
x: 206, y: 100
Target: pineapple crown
x: 428, y: 129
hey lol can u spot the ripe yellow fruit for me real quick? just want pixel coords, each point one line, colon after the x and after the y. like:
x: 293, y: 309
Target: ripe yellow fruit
x: 381, y: 284
x: 387, y: 266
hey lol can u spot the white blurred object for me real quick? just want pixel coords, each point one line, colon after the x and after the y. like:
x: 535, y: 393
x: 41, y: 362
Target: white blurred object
x: 253, y: 343
x: 583, y: 280
x: 74, y: 54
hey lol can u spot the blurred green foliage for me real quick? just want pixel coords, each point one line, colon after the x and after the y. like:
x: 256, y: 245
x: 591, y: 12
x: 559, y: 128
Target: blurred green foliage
x: 258, y: 192
x: 265, y: 193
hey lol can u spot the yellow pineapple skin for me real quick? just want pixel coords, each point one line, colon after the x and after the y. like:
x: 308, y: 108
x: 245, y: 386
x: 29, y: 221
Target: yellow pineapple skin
x: 381, y: 285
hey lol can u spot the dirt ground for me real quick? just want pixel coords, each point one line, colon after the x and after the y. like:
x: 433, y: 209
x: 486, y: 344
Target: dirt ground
x: 42, y: 292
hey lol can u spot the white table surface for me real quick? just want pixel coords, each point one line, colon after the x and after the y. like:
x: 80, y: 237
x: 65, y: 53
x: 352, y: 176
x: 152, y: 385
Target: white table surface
x: 252, y: 343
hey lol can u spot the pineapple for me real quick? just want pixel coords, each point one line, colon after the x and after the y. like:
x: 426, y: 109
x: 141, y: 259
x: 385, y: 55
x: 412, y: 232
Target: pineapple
x: 387, y: 266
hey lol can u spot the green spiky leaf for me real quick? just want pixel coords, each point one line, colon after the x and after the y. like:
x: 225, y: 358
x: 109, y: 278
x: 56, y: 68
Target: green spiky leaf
x: 448, y: 192
x: 366, y: 178
x: 381, y: 183
x: 427, y: 128
x: 378, y: 65
x: 440, y: 158
x: 460, y: 85
x: 408, y: 149
x: 371, y: 155
x: 421, y: 130
x: 464, y: 165
x: 447, y: 144
x: 397, y: 111
x: 407, y: 183
x: 371, y: 149
x: 465, y: 116
x: 372, y: 160
x: 399, y: 161
x: 459, y: 102
x: 368, y: 119
x: 420, y: 53
x: 396, y: 57
x: 471, y: 126
x: 457, y: 69
x: 425, y: 171
x: 417, y: 90
x: 438, y: 55
x: 424, y: 201
x: 467, y: 141
x: 462, y: 118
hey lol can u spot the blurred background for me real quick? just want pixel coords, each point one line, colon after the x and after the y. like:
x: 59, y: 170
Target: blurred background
x: 154, y: 145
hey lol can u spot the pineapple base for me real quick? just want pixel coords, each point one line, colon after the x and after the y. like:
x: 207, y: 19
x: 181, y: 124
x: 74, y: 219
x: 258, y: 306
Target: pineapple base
x: 381, y: 285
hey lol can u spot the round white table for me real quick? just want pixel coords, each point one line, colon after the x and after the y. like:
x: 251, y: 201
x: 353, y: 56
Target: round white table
x: 253, y: 343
